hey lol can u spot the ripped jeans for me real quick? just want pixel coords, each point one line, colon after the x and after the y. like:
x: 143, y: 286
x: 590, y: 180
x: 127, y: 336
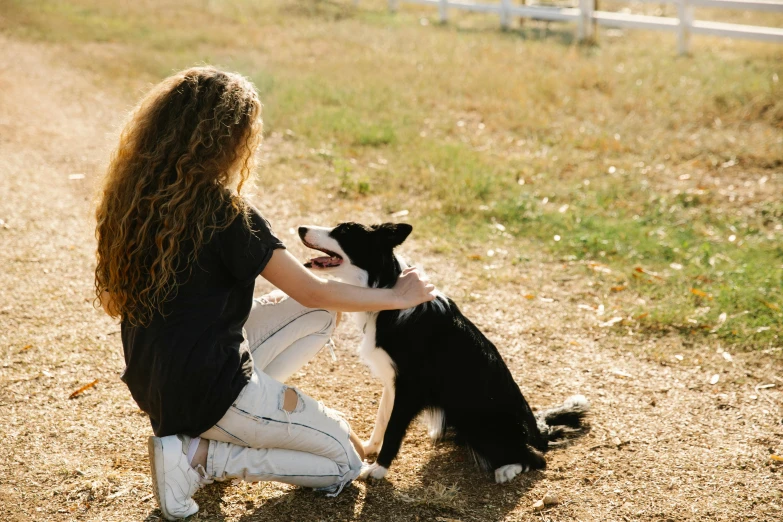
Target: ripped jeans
x: 258, y: 440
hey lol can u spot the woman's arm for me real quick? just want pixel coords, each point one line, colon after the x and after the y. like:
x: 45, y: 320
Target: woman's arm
x: 287, y: 273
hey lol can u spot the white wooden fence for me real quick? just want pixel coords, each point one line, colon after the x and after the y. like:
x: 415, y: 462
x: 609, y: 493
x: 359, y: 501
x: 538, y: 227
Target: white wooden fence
x: 586, y: 16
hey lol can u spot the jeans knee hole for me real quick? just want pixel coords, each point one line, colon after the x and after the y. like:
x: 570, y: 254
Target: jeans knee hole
x: 287, y: 398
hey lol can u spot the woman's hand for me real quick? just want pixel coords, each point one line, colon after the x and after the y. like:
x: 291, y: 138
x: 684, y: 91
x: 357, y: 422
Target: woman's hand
x: 107, y: 303
x: 413, y: 289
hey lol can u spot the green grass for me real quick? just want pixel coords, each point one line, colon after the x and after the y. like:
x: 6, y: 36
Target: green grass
x: 633, y: 156
x: 698, y: 273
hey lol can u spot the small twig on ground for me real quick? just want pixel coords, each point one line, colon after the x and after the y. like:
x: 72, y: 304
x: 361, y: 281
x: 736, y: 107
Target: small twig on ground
x: 82, y: 389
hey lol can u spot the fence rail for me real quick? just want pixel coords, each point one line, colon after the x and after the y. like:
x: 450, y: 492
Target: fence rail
x: 586, y: 17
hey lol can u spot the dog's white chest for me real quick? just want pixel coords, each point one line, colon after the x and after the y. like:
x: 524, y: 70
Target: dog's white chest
x: 379, y: 362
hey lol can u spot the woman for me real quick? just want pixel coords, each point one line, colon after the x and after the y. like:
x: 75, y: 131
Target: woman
x: 178, y: 253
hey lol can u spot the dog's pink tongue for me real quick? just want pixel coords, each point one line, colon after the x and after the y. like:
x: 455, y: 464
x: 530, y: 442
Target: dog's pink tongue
x: 326, y: 261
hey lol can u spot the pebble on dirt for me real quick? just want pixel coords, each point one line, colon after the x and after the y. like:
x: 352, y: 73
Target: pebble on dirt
x: 550, y: 499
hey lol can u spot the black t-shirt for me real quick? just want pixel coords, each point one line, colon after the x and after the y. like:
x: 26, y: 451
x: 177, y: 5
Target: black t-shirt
x: 187, y: 366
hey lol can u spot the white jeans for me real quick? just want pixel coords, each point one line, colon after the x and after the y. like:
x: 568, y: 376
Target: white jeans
x: 257, y: 439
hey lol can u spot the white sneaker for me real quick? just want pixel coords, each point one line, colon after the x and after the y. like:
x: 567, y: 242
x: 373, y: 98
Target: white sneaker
x: 173, y: 479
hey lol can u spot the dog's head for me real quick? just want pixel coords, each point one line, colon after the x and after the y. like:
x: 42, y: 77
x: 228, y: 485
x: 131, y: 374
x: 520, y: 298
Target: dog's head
x: 357, y: 254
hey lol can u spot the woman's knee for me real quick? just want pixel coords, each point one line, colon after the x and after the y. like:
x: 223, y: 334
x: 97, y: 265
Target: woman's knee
x: 322, y: 321
x: 326, y: 322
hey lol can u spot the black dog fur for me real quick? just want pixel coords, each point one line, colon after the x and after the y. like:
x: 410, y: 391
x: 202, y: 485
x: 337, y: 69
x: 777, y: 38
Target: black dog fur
x: 442, y: 361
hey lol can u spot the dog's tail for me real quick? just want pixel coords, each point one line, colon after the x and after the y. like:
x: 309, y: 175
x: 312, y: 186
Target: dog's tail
x: 557, y: 422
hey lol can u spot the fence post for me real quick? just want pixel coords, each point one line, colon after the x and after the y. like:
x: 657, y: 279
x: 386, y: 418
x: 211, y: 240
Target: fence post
x: 505, y: 17
x: 585, y: 28
x: 685, y: 14
x: 444, y: 15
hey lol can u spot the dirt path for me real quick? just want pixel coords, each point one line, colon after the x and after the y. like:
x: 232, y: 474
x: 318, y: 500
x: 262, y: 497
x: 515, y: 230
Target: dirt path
x: 665, y: 444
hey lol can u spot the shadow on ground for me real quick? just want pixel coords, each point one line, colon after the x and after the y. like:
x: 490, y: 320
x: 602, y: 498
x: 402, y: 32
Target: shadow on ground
x: 451, y: 487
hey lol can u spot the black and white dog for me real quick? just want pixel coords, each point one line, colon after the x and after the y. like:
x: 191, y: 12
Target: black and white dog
x: 432, y: 359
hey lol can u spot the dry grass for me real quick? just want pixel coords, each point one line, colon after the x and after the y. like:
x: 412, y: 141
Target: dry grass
x: 632, y: 156
x: 664, y: 444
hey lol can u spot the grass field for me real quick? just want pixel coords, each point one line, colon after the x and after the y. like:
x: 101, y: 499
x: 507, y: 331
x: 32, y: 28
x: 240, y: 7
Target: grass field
x: 659, y: 176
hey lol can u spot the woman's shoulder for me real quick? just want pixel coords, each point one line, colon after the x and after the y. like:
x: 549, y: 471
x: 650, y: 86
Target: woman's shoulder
x: 243, y: 218
x: 246, y: 245
x: 246, y: 225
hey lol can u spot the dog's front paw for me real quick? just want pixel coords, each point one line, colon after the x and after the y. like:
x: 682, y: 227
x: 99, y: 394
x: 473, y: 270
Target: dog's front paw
x: 371, y: 448
x: 509, y: 471
x: 372, y: 471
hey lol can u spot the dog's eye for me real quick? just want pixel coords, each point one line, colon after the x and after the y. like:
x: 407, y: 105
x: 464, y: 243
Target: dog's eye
x: 341, y: 230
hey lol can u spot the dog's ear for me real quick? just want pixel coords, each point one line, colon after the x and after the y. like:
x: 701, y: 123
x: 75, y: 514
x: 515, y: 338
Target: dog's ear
x: 393, y: 234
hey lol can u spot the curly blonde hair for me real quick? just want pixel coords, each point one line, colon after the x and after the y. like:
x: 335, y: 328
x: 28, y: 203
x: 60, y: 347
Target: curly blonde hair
x: 167, y: 187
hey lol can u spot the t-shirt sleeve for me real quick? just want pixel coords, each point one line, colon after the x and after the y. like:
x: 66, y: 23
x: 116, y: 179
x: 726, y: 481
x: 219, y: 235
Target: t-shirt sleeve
x: 245, y: 250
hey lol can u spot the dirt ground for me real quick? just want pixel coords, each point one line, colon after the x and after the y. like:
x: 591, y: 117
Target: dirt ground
x: 666, y: 442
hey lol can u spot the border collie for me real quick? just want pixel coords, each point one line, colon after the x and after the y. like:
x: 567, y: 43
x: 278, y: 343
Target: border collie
x: 433, y: 359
